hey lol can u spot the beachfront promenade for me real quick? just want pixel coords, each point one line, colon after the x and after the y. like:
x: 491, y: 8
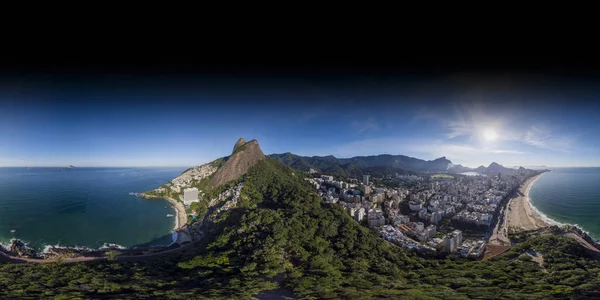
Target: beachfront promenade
x: 518, y: 214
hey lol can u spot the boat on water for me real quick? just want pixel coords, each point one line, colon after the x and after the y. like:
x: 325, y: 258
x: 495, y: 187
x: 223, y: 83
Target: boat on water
x: 13, y: 231
x: 170, y: 215
x: 131, y: 194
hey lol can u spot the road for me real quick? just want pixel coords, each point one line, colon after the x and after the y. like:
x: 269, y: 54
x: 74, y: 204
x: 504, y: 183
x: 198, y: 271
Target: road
x: 499, y: 235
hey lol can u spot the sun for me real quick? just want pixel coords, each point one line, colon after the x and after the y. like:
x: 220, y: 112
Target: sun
x: 490, y: 134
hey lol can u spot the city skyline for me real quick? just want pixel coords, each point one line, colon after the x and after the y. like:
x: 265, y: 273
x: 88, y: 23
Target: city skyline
x: 471, y: 120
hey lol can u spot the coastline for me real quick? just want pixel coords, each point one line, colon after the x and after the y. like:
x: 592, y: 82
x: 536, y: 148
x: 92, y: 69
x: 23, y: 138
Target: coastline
x: 551, y: 222
x: 521, y: 215
x: 181, y: 215
x: 179, y: 236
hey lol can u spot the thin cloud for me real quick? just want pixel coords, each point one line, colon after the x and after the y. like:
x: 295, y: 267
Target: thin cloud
x: 467, y: 119
x: 369, y: 124
x: 501, y: 151
x: 542, y: 137
x: 312, y: 114
x: 464, y: 119
x: 423, y: 113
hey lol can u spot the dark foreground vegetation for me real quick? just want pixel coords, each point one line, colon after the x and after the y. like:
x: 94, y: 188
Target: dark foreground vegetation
x: 281, y: 226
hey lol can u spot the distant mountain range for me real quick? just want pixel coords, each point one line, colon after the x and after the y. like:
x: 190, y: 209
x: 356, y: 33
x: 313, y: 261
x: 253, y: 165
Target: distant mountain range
x: 383, y: 164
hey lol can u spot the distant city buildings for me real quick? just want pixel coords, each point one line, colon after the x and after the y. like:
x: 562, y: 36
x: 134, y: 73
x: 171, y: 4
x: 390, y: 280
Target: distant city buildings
x: 463, y: 199
x: 327, y: 177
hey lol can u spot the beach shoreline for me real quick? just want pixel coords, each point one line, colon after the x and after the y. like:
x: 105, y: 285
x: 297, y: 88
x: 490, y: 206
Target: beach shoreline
x: 521, y: 215
x: 181, y: 235
x: 518, y: 215
x: 181, y: 215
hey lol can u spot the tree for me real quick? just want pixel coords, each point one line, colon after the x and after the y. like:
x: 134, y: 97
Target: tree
x: 112, y: 255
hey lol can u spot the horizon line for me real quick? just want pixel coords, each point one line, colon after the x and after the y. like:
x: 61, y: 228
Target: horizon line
x: 188, y: 166
x: 77, y: 167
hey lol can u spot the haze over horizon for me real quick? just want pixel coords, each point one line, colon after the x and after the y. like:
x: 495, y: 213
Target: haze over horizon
x: 470, y: 119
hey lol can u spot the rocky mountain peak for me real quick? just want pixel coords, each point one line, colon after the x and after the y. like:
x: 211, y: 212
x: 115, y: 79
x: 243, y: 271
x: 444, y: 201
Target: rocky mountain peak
x: 241, y: 141
x: 494, y: 165
x: 245, y: 155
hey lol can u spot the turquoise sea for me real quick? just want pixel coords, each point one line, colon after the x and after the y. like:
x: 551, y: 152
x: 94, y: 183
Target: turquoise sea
x: 569, y: 196
x: 85, y: 207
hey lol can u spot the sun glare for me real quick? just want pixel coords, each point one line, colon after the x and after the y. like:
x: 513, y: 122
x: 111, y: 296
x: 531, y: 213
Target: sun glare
x: 490, y: 134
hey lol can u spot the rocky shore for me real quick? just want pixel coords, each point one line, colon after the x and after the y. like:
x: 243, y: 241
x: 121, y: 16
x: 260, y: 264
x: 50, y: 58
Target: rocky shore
x: 19, y: 250
x: 585, y: 236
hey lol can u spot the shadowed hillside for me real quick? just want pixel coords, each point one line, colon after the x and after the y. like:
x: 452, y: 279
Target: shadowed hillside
x: 243, y: 157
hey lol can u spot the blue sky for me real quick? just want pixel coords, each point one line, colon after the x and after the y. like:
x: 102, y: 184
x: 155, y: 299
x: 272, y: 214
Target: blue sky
x: 536, y: 121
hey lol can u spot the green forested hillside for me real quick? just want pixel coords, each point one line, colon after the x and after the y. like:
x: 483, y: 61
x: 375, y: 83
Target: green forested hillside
x: 281, y: 226
x: 358, y: 165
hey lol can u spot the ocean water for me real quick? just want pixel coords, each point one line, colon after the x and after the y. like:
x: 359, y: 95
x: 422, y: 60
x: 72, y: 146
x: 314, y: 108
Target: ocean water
x: 84, y: 207
x: 569, y: 196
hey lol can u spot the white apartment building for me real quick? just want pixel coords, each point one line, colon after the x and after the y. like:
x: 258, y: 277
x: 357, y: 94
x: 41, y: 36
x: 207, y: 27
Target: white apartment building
x: 189, y: 196
x: 359, y: 214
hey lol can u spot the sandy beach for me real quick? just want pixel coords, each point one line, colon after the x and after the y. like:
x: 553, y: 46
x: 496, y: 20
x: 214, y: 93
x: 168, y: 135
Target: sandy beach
x: 520, y: 214
x: 181, y: 214
x: 179, y: 208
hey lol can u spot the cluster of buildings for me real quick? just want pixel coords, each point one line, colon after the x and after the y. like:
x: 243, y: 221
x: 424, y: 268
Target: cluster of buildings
x: 394, y: 235
x: 409, y: 177
x: 193, y: 174
x: 475, y: 199
x: 409, y: 217
x: 360, y: 200
x: 423, y: 239
x: 466, y: 199
x: 187, y: 178
x: 232, y: 195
